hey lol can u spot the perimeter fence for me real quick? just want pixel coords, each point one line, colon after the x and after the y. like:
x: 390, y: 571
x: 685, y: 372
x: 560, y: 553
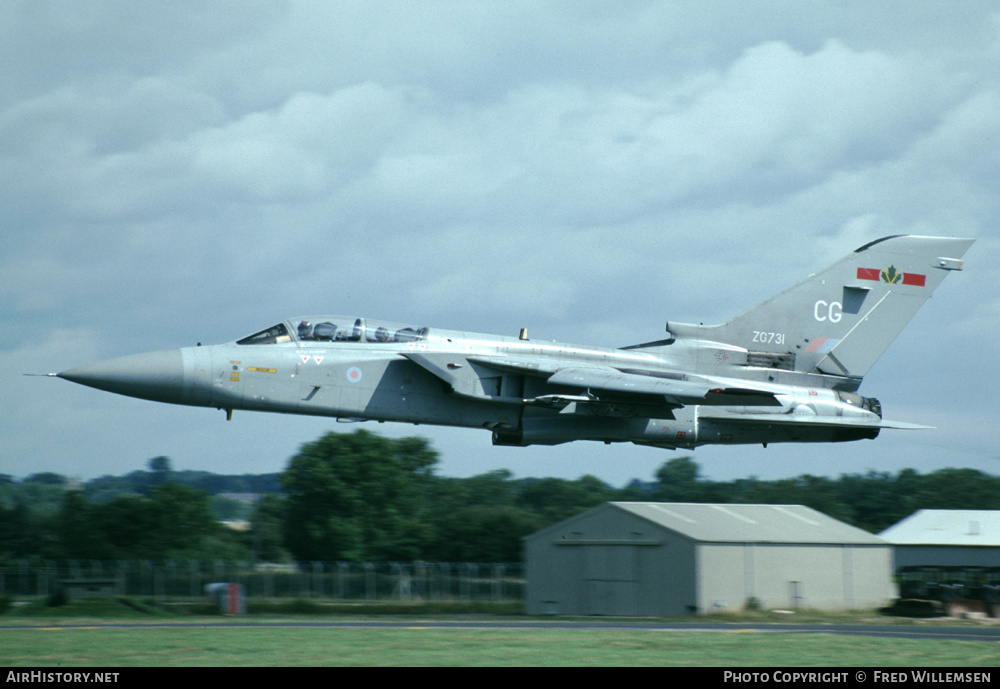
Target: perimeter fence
x: 339, y: 581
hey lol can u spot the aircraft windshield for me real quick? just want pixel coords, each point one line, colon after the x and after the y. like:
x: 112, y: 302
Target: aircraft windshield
x: 336, y: 329
x: 273, y: 335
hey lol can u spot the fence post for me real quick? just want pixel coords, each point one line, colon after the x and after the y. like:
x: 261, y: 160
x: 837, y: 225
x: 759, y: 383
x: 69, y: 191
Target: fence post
x: 369, y: 580
x: 194, y: 588
x: 121, y: 578
x: 317, y: 580
x: 498, y: 572
x: 420, y: 574
x: 343, y: 571
x: 43, y: 582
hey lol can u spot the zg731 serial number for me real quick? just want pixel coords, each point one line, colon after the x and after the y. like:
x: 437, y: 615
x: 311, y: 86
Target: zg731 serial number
x: 768, y: 338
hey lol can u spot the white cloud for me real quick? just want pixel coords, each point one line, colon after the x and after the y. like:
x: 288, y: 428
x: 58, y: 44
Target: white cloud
x: 584, y: 170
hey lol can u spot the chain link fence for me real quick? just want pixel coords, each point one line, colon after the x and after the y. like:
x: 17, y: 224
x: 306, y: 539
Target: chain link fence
x: 339, y: 581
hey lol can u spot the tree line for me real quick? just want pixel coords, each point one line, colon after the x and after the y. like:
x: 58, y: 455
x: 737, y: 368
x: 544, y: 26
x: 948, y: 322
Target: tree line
x: 364, y: 497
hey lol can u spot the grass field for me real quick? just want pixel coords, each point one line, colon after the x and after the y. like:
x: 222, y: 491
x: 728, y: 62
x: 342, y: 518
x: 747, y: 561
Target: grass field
x: 49, y: 643
x: 247, y: 646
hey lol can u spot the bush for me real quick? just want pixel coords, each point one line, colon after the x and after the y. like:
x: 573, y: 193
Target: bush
x: 57, y: 599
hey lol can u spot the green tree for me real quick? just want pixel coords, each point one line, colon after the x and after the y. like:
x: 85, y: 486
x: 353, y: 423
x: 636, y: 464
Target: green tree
x: 161, y: 469
x: 266, y: 529
x: 486, y: 533
x: 78, y: 532
x: 174, y: 521
x: 357, y: 497
x: 554, y: 499
x: 678, y: 481
x: 21, y: 534
x: 130, y: 527
x: 958, y: 489
x: 183, y: 516
x: 47, y: 478
x: 876, y: 500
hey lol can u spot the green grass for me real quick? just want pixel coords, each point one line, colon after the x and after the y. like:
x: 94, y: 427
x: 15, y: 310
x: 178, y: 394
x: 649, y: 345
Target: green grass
x: 48, y: 641
x: 208, y: 646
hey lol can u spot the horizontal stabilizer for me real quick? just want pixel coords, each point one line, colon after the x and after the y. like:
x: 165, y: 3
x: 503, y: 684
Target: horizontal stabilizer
x: 904, y: 426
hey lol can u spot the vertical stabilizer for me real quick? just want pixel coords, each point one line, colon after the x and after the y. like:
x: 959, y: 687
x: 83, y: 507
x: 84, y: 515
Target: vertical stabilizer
x: 840, y: 320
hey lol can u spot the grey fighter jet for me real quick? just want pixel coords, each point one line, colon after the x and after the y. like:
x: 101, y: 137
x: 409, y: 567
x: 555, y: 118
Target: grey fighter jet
x: 787, y: 370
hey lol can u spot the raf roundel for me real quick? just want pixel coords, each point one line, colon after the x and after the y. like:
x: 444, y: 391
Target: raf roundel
x: 354, y: 374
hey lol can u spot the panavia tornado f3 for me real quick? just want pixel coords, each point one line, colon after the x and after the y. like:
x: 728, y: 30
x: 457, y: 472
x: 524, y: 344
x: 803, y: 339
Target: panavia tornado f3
x: 787, y: 370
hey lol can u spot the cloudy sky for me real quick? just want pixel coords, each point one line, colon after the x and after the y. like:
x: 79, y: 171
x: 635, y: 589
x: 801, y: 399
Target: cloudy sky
x: 180, y: 172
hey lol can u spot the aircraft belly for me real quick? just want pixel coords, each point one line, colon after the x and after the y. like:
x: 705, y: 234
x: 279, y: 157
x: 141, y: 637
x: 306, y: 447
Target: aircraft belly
x: 733, y: 431
x: 689, y: 427
x: 391, y: 390
x: 407, y: 392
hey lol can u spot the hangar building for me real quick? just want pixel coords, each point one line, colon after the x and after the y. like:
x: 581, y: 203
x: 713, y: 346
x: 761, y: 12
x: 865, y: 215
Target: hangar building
x: 952, y: 538
x: 667, y: 559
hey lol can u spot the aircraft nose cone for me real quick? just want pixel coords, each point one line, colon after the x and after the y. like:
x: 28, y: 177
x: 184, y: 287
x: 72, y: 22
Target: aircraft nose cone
x: 155, y: 376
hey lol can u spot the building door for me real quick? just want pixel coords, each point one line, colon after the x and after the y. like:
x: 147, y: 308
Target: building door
x: 611, y: 579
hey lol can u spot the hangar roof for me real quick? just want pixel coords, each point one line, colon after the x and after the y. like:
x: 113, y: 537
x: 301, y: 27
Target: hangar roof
x: 757, y: 523
x: 946, y: 527
x: 734, y: 523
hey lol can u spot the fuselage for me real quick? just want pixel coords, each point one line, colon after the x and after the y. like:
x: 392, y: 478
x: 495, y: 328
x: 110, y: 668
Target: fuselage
x: 358, y: 369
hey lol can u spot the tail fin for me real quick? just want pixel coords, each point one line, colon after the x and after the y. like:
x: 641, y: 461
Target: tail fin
x: 840, y: 320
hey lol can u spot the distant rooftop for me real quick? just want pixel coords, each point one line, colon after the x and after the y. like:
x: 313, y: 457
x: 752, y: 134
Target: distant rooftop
x: 246, y: 498
x: 729, y: 523
x: 947, y: 527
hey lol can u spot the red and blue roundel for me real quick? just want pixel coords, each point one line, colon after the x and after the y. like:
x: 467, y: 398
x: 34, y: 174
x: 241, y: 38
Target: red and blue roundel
x: 354, y: 374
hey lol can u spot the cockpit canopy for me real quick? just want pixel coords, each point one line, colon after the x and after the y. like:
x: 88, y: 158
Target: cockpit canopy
x: 335, y: 329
